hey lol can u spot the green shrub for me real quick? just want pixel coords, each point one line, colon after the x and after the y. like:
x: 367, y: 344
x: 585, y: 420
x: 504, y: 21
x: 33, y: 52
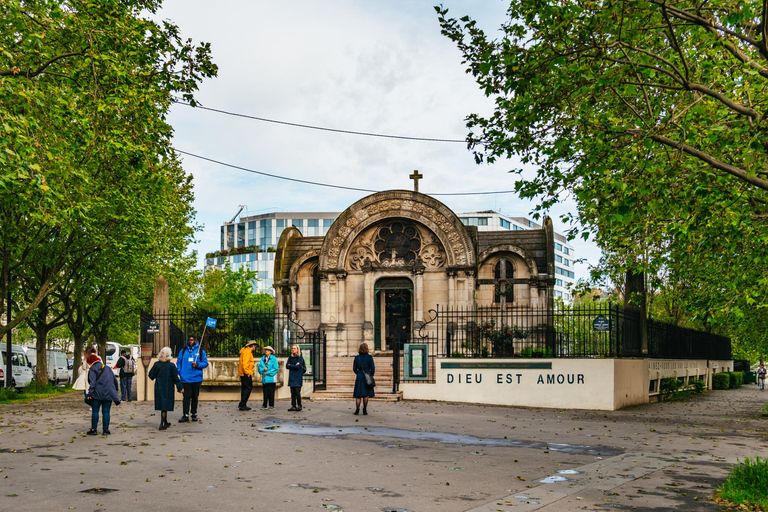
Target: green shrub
x: 747, y: 484
x: 668, y: 386
x: 721, y: 380
x: 699, y: 386
x: 737, y: 379
x: 7, y: 394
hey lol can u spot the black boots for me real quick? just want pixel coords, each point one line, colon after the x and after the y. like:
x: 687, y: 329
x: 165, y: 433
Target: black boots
x: 357, y: 411
x: 365, y: 411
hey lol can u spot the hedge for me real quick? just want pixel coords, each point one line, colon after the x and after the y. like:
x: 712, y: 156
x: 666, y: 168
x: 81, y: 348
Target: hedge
x: 721, y: 381
x: 737, y: 379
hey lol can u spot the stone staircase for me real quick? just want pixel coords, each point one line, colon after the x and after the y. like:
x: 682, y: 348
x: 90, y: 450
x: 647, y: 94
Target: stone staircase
x: 340, y: 380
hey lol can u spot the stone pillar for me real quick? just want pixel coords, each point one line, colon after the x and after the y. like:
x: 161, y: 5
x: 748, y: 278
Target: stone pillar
x: 418, y: 314
x: 451, y: 289
x: 160, y: 309
x: 368, y: 293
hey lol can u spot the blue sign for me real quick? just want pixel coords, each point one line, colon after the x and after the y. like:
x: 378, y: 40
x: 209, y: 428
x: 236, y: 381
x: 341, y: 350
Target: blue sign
x: 210, y: 322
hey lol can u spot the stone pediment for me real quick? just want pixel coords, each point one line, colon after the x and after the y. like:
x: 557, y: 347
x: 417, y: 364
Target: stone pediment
x: 442, y: 238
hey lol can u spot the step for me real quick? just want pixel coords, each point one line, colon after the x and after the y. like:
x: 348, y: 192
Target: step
x: 346, y: 394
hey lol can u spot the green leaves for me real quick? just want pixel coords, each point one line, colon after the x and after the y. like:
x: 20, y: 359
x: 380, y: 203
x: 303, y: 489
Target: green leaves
x: 644, y: 110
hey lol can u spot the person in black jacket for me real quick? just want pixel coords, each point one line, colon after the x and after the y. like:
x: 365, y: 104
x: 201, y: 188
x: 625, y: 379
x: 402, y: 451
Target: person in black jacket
x: 127, y: 366
x: 296, y: 370
x: 102, y: 388
x: 362, y: 364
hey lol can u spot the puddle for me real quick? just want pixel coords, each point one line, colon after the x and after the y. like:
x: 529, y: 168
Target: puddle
x: 434, y: 437
x: 99, y: 490
x: 391, y: 509
x: 521, y: 497
x: 568, y: 472
x: 553, y: 479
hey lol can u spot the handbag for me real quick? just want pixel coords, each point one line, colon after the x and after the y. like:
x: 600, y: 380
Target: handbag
x: 369, y: 382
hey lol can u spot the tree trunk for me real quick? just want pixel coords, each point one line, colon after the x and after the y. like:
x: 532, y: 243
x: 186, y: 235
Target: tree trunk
x: 40, y: 328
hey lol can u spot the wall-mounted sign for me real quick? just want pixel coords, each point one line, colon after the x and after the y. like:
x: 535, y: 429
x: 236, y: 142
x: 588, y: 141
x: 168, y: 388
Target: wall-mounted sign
x: 601, y: 323
x: 153, y: 327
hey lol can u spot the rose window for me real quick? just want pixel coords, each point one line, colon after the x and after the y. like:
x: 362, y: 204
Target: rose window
x: 397, y: 240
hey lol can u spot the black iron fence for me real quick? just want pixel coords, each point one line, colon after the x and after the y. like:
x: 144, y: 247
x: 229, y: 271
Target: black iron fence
x: 599, y: 330
x: 233, y: 330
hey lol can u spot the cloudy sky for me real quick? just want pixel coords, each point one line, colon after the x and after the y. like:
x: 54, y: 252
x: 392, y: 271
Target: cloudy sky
x: 376, y: 66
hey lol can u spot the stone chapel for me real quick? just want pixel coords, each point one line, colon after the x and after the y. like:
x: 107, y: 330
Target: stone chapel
x: 391, y: 257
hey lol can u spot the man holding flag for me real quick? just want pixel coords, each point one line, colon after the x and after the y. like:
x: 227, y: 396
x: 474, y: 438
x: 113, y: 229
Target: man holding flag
x: 191, y: 361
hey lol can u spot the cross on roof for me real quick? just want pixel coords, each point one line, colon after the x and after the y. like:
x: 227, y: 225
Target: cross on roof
x: 416, y: 176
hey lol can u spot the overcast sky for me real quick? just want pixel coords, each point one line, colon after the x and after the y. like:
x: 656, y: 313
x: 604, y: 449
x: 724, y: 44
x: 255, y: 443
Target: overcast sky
x: 376, y: 66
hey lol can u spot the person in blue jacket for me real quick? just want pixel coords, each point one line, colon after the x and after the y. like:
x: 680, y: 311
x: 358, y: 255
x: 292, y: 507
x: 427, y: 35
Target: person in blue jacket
x: 362, y: 364
x: 191, y: 361
x: 103, y: 389
x: 268, y: 370
x: 296, y: 370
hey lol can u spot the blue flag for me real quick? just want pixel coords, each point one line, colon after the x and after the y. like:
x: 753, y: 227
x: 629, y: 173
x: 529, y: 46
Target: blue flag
x: 210, y: 322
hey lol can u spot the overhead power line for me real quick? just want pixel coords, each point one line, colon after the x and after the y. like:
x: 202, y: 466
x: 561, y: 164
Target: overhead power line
x: 316, y: 183
x: 299, y: 125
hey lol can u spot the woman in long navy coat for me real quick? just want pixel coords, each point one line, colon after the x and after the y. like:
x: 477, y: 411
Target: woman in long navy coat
x: 363, y: 364
x: 166, y: 376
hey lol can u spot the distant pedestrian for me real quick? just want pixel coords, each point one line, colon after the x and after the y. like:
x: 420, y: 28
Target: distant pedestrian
x: 296, y: 370
x: 127, y: 365
x: 102, y: 388
x: 268, y: 368
x: 761, y: 377
x: 166, y: 376
x: 362, y: 364
x: 81, y: 383
x: 191, y: 361
x: 245, y: 369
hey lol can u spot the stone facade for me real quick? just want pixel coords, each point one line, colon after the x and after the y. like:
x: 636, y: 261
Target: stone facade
x: 392, y: 256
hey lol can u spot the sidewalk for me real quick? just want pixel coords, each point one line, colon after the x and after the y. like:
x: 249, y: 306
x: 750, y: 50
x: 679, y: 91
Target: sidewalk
x: 405, y: 456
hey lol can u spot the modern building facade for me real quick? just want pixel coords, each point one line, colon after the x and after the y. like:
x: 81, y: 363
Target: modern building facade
x: 489, y: 220
x: 251, y: 242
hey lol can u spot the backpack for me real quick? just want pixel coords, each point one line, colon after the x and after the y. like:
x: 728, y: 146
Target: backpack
x: 130, y: 365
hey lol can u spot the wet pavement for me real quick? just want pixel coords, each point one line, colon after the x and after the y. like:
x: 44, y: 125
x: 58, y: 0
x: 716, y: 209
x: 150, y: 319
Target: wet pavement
x: 406, y: 456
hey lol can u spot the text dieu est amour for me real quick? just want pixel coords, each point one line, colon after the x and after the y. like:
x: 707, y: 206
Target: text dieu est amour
x: 516, y: 378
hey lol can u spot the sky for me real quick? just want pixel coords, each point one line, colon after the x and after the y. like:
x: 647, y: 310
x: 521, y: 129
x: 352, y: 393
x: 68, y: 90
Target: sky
x: 377, y: 66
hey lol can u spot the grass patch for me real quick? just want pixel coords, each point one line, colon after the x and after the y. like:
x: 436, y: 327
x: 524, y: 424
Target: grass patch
x: 32, y: 392
x: 747, y: 485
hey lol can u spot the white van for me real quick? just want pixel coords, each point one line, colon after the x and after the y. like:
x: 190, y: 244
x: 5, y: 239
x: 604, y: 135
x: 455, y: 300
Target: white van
x: 58, y: 372
x: 113, y: 354
x: 22, y: 370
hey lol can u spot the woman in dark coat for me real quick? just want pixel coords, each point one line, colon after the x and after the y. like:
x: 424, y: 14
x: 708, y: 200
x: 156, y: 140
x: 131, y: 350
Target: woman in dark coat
x: 166, y: 376
x: 296, y: 370
x: 363, y: 364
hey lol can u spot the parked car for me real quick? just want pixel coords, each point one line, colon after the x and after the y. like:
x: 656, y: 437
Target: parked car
x: 20, y: 367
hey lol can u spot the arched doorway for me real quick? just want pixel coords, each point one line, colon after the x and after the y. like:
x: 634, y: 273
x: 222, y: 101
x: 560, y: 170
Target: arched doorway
x: 393, y: 312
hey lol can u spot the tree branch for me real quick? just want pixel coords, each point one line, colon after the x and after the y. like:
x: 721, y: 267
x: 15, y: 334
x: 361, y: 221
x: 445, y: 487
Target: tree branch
x: 18, y: 73
x: 705, y: 157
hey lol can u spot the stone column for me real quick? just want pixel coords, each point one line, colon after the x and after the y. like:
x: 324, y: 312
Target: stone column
x: 161, y: 305
x: 418, y: 314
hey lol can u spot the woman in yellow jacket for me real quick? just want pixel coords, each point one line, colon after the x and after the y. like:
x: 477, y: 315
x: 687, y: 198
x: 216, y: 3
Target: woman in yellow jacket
x: 245, y: 368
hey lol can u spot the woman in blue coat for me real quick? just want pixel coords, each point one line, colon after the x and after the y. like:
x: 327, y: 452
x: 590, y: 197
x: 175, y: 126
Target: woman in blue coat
x: 103, y: 389
x: 268, y: 368
x: 363, y: 364
x: 166, y: 376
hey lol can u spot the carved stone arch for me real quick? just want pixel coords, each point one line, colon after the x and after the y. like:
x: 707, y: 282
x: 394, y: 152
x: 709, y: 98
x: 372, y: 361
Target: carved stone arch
x: 497, y: 249
x: 300, y: 261
x: 404, y: 204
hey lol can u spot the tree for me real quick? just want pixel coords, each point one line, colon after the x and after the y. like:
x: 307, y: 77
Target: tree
x: 86, y: 164
x: 227, y: 290
x: 652, y: 115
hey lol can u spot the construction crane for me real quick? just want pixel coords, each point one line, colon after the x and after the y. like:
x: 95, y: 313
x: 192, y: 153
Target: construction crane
x: 238, y: 213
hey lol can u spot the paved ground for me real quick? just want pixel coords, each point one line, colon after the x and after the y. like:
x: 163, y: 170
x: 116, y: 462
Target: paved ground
x: 407, y: 456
